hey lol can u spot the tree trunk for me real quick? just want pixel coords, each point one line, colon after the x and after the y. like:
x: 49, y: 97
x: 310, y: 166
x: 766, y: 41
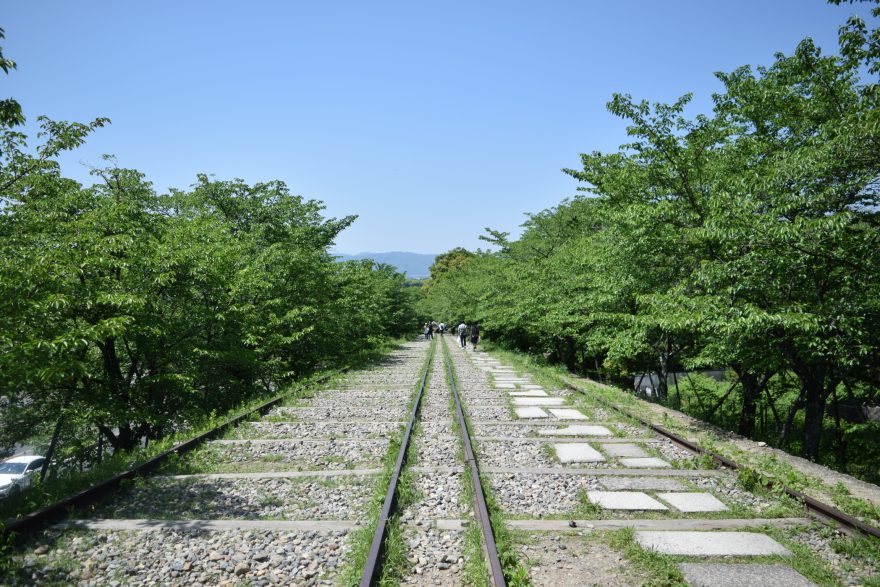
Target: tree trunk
x: 50, y: 454
x: 753, y: 385
x: 789, y: 420
x: 838, y: 432
x: 663, y: 374
x: 124, y: 439
x: 814, y: 415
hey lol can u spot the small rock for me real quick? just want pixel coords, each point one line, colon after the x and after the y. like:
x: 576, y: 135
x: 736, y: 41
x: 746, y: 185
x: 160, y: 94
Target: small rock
x: 41, y: 549
x: 242, y: 569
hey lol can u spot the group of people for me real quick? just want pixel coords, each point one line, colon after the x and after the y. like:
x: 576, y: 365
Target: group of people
x: 464, y: 332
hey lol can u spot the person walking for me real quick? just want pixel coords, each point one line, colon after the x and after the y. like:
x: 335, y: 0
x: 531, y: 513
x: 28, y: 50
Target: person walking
x: 427, y: 328
x: 462, y: 335
x: 442, y: 328
x: 475, y: 336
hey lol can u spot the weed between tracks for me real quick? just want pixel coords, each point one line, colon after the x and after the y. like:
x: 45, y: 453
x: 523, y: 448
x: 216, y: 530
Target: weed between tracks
x: 475, y: 569
x: 395, y: 546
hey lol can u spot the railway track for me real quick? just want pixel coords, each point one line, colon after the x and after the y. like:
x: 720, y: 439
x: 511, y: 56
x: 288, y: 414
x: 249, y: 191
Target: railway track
x: 595, y: 497
x: 440, y: 468
x: 277, y: 501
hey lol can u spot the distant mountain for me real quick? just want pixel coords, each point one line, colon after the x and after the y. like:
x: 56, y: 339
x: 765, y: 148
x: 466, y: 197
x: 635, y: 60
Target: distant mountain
x: 413, y: 265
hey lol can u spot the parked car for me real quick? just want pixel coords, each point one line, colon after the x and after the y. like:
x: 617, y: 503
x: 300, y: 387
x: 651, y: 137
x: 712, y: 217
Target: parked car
x: 18, y: 472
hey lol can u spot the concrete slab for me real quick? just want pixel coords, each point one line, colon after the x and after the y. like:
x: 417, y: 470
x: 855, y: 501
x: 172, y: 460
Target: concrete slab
x: 576, y: 430
x: 277, y: 474
x: 655, y: 483
x: 450, y: 524
x: 538, y: 401
x: 605, y: 472
x: 693, y: 501
x: 624, y: 500
x: 742, y: 575
x: 216, y: 525
x: 648, y: 463
x: 529, y: 393
x: 531, y: 386
x: 667, y: 524
x: 710, y: 543
x: 531, y: 412
x: 568, y: 414
x: 505, y: 386
x: 577, y: 452
x: 623, y: 450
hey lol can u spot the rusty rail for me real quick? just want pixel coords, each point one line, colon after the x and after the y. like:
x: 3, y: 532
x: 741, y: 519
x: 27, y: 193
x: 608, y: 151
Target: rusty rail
x: 376, y: 558
x: 822, y: 509
x: 495, y: 568
x: 20, y: 528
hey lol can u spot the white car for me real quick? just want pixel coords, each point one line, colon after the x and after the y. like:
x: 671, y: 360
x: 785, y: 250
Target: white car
x: 18, y: 472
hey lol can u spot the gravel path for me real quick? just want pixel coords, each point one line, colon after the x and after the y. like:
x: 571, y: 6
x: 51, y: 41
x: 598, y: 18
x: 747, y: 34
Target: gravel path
x: 435, y: 557
x: 316, y: 430
x: 336, y: 498
x: 226, y: 558
x: 300, y: 454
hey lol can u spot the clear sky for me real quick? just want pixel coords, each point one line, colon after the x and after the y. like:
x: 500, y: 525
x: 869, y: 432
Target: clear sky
x: 429, y: 120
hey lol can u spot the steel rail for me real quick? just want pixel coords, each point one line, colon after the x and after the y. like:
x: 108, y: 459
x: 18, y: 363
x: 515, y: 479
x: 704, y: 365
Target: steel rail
x: 495, y: 568
x: 822, y: 509
x: 376, y: 558
x: 19, y: 528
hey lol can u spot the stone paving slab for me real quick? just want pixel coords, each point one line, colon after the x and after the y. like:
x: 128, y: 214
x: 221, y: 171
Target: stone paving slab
x: 505, y: 386
x: 624, y: 450
x: 607, y: 472
x: 650, y: 462
x: 538, y: 401
x: 431, y: 469
x: 655, y: 483
x: 542, y: 439
x: 710, y: 543
x: 656, y: 525
x: 742, y: 575
x: 567, y: 414
x: 577, y: 430
x: 694, y: 501
x: 531, y: 386
x: 532, y: 412
x: 624, y: 500
x: 529, y: 393
x: 574, y: 452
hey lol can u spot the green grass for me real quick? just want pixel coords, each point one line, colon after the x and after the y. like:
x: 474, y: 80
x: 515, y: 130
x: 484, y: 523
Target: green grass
x: 362, y: 539
x: 506, y: 540
x: 661, y: 568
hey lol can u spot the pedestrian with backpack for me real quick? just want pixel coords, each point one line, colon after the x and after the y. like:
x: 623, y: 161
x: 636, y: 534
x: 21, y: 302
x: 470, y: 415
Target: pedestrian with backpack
x: 475, y: 336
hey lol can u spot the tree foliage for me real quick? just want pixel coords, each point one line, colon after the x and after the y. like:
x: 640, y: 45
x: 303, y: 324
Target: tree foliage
x: 127, y: 314
x: 746, y: 239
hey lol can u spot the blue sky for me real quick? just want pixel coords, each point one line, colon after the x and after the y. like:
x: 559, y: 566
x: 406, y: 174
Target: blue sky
x: 430, y: 121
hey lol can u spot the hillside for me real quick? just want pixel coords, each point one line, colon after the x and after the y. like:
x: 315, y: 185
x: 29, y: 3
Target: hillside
x: 413, y: 265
